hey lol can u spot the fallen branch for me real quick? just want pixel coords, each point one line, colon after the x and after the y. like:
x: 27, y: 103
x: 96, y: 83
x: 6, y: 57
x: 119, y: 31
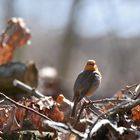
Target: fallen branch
x: 121, y: 108
x: 27, y: 88
x: 103, y: 127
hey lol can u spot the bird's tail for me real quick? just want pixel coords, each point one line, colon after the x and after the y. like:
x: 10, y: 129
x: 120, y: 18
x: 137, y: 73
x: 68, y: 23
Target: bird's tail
x: 74, y: 108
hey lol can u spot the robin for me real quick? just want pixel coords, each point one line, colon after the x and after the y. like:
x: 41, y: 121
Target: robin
x: 86, y: 83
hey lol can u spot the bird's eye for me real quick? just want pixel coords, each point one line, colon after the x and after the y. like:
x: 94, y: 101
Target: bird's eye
x: 91, y: 64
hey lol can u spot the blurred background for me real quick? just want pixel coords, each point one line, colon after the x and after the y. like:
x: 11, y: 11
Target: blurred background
x: 66, y: 33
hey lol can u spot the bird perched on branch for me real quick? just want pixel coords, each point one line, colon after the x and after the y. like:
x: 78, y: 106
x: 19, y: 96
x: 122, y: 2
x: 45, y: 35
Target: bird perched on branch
x: 86, y: 83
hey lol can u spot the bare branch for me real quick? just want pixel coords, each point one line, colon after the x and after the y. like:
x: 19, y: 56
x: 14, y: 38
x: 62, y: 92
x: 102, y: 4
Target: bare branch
x: 106, y: 100
x: 25, y: 107
x: 130, y: 87
x: 122, y: 108
x: 27, y: 88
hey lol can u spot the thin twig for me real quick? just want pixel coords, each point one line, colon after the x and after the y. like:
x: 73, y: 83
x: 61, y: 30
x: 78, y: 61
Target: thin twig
x: 95, y: 113
x: 106, y: 100
x: 129, y: 87
x: 25, y: 107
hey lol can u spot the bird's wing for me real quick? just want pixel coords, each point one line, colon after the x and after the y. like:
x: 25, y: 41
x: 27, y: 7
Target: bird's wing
x: 78, y: 83
x: 82, y: 84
